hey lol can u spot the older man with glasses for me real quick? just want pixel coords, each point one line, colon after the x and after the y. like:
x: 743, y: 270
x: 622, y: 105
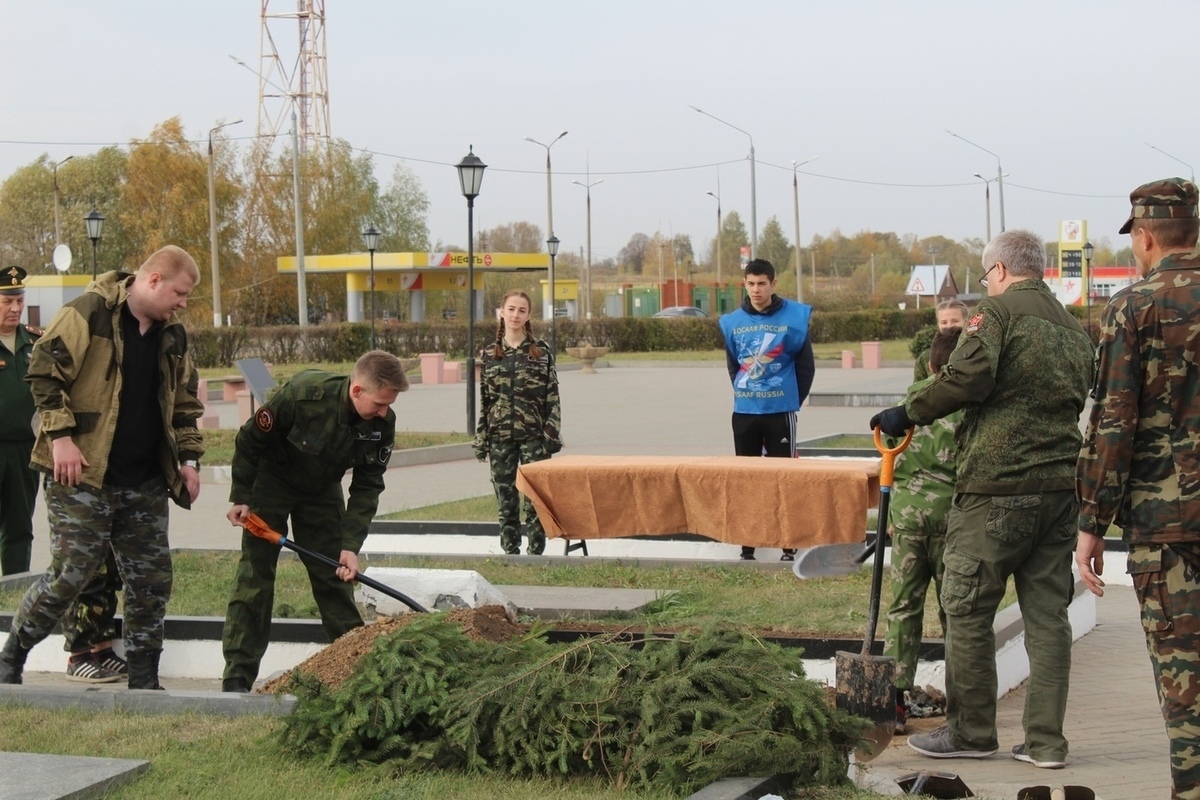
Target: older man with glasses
x: 1021, y: 373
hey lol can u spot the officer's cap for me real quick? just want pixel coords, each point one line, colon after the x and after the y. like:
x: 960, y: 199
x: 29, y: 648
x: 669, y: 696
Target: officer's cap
x: 12, y: 281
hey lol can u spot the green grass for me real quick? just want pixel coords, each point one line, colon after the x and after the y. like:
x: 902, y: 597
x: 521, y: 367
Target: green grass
x: 767, y: 600
x: 893, y: 350
x: 849, y: 441
x: 473, y: 509
x: 218, y: 442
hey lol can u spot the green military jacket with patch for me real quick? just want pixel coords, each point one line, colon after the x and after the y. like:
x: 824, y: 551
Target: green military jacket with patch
x: 16, y: 423
x: 306, y: 437
x: 925, y: 475
x: 1021, y: 373
x: 519, y: 395
x: 1140, y: 462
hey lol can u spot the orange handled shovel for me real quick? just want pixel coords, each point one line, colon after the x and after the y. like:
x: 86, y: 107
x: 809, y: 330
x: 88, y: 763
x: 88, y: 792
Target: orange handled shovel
x: 254, y: 525
x: 865, y: 685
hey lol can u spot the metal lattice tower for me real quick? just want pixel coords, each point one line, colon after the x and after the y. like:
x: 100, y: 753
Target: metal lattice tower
x: 300, y: 73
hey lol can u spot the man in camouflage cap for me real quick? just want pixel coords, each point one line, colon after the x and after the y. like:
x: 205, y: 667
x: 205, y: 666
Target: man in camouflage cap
x: 1021, y: 373
x: 1138, y: 466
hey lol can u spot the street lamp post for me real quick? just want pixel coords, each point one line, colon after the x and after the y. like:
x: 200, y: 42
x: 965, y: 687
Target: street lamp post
x: 1191, y: 171
x: 552, y: 249
x: 796, y: 210
x: 587, y: 284
x: 753, y: 190
x: 57, y: 229
x: 549, y: 193
x: 95, y: 226
x: 470, y: 177
x: 717, y: 197
x: 370, y: 238
x: 212, y: 224
x: 1088, y: 251
x: 999, y: 174
x: 987, y: 203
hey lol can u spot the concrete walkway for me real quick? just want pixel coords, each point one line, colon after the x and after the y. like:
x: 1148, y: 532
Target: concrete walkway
x: 1118, y: 746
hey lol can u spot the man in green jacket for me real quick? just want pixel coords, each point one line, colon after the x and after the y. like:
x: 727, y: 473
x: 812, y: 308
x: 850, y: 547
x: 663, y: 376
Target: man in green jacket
x: 1021, y: 373
x: 18, y: 483
x: 115, y: 391
x: 289, y: 460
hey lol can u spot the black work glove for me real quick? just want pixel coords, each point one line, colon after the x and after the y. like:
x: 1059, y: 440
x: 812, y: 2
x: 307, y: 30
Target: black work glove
x: 553, y: 446
x: 892, y: 421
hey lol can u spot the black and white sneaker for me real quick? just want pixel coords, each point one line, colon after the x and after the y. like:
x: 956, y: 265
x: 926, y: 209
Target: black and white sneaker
x: 109, y: 659
x: 86, y: 669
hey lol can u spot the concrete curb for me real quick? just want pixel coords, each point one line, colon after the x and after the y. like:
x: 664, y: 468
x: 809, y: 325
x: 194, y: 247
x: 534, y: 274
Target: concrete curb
x: 117, y: 698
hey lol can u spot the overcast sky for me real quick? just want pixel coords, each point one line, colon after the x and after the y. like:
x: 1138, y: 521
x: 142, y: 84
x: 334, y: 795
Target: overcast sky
x: 1062, y: 91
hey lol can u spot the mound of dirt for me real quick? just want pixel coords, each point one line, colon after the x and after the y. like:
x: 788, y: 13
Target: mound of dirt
x: 337, y: 662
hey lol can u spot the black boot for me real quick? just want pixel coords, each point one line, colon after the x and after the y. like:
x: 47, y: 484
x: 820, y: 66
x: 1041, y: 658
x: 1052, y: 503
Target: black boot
x: 12, y: 660
x: 143, y: 669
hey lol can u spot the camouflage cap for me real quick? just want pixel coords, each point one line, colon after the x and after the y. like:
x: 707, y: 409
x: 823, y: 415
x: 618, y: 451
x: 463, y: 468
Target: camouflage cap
x: 12, y: 281
x: 1169, y: 198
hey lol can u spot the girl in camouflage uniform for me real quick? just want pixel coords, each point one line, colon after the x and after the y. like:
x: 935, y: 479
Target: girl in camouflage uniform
x: 519, y: 416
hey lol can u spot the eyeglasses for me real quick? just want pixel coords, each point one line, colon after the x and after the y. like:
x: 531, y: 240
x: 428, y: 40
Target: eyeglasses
x: 983, y: 280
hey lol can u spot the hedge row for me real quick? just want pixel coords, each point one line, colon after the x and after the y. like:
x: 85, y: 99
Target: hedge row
x: 287, y: 344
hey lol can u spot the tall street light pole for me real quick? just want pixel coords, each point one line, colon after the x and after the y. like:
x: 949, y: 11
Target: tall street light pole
x: 552, y: 249
x: 717, y: 197
x: 1088, y: 250
x: 987, y: 203
x: 57, y: 229
x: 95, y: 226
x: 212, y: 224
x: 370, y: 238
x: 999, y: 173
x: 549, y: 191
x: 1191, y: 171
x: 753, y: 190
x: 587, y: 284
x: 796, y: 210
x: 470, y: 178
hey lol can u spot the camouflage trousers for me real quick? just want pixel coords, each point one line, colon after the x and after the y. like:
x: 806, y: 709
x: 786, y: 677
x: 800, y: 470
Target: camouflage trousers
x: 93, y: 614
x: 990, y: 538
x: 1167, y: 581
x: 916, y: 560
x: 504, y: 458
x: 85, y: 524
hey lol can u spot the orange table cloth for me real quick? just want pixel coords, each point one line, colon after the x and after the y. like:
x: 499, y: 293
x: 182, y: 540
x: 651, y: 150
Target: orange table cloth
x: 758, y: 502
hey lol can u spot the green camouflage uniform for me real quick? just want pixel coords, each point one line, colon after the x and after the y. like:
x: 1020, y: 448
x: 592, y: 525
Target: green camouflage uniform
x: 519, y: 419
x: 18, y: 483
x: 289, y: 461
x: 1139, y: 468
x: 1021, y: 371
x: 917, y: 514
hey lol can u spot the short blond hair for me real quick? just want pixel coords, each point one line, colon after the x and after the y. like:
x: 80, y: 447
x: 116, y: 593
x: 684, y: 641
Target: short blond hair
x: 168, y: 262
x: 379, y: 369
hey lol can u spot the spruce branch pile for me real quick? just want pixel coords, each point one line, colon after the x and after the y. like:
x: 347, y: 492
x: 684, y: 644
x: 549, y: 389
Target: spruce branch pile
x: 672, y: 714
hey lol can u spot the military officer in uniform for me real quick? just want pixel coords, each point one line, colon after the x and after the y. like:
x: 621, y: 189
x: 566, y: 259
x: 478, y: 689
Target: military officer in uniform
x: 1021, y: 373
x: 1138, y: 465
x: 288, y: 461
x: 18, y: 483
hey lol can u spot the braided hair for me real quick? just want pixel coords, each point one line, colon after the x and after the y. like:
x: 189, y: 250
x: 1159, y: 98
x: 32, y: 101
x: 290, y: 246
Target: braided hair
x: 496, y: 349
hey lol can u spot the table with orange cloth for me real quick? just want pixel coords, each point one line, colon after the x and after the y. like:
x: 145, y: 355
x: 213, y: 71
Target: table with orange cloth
x: 758, y: 502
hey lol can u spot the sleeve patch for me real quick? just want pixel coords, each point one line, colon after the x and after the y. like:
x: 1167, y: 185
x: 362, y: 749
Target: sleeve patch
x: 384, y: 454
x: 975, y: 323
x: 264, y: 419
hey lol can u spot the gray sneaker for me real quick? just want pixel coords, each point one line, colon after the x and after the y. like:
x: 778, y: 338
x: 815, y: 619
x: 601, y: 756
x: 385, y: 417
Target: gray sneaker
x: 1019, y: 754
x: 937, y: 744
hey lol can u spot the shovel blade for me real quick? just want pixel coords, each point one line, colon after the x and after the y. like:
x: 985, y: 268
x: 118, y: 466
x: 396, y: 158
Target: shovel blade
x: 865, y: 689
x: 1056, y: 793
x: 827, y: 560
x: 934, y: 784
